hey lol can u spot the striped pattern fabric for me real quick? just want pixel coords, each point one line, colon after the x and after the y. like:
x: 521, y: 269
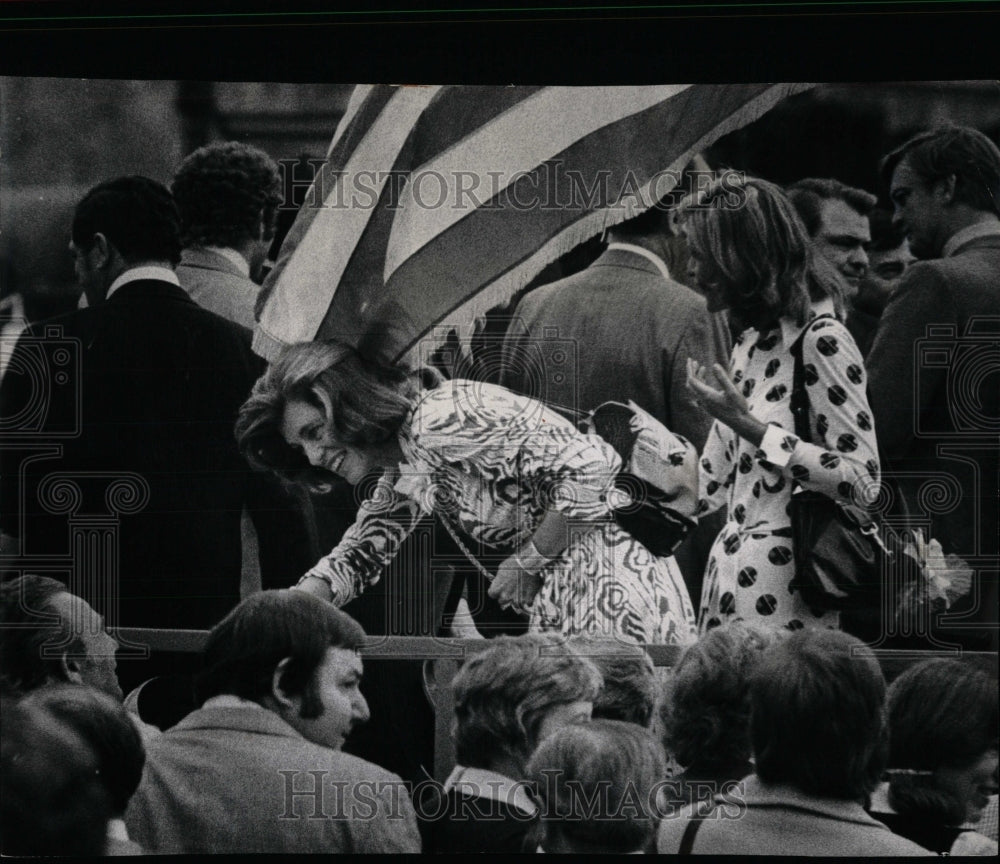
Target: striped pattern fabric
x: 437, y: 203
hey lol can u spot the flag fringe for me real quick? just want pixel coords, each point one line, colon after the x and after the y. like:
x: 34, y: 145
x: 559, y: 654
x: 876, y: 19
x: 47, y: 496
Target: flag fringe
x: 465, y: 319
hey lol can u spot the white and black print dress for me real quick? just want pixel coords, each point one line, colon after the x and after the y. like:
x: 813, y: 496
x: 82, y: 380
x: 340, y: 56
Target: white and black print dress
x: 750, y: 567
x: 492, y: 463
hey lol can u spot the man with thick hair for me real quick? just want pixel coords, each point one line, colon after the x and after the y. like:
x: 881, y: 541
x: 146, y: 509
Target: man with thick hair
x: 53, y: 801
x: 820, y: 743
x: 630, y: 687
x: 140, y: 392
x: 228, y: 194
x: 258, y: 768
x: 933, y: 381
x: 110, y: 731
x: 597, y: 786
x: 836, y: 217
x: 508, y: 698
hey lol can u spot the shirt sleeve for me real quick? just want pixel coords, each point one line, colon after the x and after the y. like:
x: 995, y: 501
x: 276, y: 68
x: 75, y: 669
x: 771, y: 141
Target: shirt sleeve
x: 842, y: 462
x: 384, y: 521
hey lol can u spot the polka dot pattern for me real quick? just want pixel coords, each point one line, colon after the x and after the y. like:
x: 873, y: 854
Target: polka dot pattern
x: 752, y: 562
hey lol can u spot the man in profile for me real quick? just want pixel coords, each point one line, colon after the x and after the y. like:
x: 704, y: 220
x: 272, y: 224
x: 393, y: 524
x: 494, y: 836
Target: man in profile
x: 932, y: 372
x: 258, y: 768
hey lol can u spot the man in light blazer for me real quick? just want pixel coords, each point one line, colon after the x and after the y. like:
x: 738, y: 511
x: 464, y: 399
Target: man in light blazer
x: 228, y: 195
x: 258, y: 768
x: 934, y: 376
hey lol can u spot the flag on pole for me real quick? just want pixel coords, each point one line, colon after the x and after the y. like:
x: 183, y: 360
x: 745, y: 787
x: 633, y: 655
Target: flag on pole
x: 437, y: 203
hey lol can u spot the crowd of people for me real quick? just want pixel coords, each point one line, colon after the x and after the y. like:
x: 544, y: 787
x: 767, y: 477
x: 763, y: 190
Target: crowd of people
x: 787, y: 742
x: 169, y: 478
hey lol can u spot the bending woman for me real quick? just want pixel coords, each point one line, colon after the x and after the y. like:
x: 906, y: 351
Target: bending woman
x: 499, y: 469
x: 754, y: 260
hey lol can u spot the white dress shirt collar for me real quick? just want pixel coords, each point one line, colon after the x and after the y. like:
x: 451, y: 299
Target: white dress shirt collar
x: 160, y: 274
x: 481, y: 783
x: 232, y: 255
x: 658, y: 262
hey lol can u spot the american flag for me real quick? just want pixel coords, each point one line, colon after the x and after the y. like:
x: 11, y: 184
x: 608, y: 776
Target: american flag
x: 437, y: 203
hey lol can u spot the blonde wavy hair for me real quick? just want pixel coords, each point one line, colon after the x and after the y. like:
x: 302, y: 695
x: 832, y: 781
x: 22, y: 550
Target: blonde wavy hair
x: 759, y: 245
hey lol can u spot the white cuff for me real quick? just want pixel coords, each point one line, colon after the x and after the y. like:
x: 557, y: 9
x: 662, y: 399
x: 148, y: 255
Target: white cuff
x: 778, y: 445
x: 338, y: 598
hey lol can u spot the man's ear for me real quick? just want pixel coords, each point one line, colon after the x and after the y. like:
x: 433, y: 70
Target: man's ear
x: 70, y: 667
x: 102, y: 251
x: 277, y: 690
x: 945, y: 188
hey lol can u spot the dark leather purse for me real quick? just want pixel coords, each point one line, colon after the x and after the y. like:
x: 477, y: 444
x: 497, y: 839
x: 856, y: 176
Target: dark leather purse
x: 845, y: 558
x: 658, y: 481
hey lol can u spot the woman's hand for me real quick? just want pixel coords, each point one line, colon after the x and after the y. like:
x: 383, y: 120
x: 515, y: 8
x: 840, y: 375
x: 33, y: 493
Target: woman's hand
x: 723, y: 401
x: 513, y: 587
x: 315, y: 586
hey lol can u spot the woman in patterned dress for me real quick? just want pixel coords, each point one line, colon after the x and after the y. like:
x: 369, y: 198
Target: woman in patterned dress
x: 750, y: 254
x: 503, y: 470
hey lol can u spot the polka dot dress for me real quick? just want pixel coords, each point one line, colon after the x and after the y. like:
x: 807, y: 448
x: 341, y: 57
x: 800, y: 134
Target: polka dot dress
x: 751, y: 565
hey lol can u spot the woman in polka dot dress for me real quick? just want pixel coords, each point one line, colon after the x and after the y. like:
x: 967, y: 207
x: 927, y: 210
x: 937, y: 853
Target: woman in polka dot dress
x: 752, y: 257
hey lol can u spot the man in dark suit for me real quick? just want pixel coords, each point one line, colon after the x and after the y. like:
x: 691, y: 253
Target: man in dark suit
x: 130, y: 483
x: 631, y: 328
x: 934, y: 377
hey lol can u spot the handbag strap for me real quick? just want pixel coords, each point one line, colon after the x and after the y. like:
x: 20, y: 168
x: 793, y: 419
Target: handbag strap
x: 468, y: 552
x: 800, y: 396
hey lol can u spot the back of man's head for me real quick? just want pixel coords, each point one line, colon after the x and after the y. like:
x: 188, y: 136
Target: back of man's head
x: 245, y: 648
x: 597, y: 784
x: 136, y: 215
x: 52, y: 799
x: 504, y: 693
x: 226, y: 192
x: 630, y: 687
x: 966, y: 153
x: 33, y: 635
x: 106, y: 727
x: 817, y: 716
x: 808, y: 195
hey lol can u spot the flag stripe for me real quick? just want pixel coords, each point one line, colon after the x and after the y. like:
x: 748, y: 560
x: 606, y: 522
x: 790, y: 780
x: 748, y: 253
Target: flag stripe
x: 501, y: 286
x: 463, y: 260
x: 310, y: 277
x: 359, y: 95
x: 515, y: 141
x: 446, y: 266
